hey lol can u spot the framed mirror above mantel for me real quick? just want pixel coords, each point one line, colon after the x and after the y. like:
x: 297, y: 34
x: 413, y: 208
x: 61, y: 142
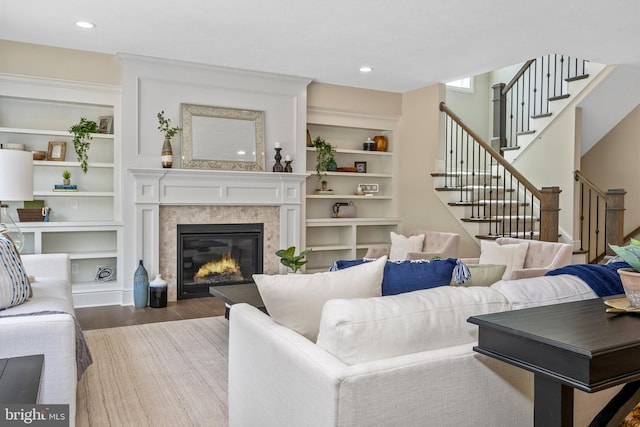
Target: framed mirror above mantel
x: 221, y: 138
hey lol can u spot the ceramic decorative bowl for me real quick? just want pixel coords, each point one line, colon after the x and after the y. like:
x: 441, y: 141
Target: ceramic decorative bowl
x: 631, y: 284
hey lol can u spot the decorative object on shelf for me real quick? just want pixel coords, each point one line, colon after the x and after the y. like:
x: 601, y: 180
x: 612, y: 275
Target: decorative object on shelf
x: 104, y: 274
x: 289, y: 259
x: 65, y: 187
x: 13, y: 146
x: 361, y: 167
x: 140, y: 286
x: 325, y: 157
x: 630, y: 277
x: 381, y: 142
x: 343, y: 210
x: 57, y: 151
x: 277, y: 167
x: 81, y: 139
x: 324, y: 185
x: 66, y: 177
x: 309, y: 141
x: 105, y: 124
x: 359, y: 191
x: 222, y: 138
x: 164, y: 126
x: 39, y: 155
x: 32, y: 211
x: 45, y: 213
x: 369, y: 145
x: 16, y: 184
x: 287, y: 166
x: 369, y: 189
x: 158, y: 292
x: 347, y: 169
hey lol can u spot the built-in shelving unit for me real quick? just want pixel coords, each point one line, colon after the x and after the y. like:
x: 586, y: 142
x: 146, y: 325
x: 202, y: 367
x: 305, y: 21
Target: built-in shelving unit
x: 347, y: 238
x: 86, y: 223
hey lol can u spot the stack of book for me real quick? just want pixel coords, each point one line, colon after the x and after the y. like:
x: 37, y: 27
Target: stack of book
x: 65, y: 187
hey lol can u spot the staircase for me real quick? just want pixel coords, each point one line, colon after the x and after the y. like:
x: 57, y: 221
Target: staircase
x: 477, y: 181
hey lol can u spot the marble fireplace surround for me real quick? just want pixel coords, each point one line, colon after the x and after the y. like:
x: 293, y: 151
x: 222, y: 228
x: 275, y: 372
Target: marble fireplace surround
x: 166, y: 197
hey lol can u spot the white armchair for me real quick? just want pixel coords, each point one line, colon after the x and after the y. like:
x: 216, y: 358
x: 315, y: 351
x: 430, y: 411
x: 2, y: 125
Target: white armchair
x: 436, y: 244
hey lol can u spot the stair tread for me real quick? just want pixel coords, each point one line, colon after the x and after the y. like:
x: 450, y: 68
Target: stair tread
x: 515, y: 147
x: 541, y: 116
x: 525, y: 132
x: 475, y: 187
x: 575, y: 78
x: 464, y: 173
x: 559, y: 97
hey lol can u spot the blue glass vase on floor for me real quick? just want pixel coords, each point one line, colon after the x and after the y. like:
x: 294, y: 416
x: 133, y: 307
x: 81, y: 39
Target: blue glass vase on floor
x: 140, y: 286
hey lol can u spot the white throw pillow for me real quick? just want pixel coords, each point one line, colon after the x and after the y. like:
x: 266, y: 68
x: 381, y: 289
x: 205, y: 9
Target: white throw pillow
x: 402, y: 245
x: 296, y: 300
x: 511, y: 255
x: 365, y: 329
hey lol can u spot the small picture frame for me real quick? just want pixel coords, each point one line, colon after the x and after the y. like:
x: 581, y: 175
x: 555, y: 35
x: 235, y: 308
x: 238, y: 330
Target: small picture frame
x: 105, y: 124
x: 361, y: 167
x: 57, y: 151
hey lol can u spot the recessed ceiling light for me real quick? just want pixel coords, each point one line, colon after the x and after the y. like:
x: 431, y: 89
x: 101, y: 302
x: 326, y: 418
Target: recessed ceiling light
x: 366, y: 69
x: 85, y: 24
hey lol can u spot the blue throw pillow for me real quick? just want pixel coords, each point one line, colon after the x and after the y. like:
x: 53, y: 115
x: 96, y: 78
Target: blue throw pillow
x: 406, y: 276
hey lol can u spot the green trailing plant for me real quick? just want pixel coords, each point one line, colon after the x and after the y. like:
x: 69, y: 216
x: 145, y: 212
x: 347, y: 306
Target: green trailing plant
x: 629, y: 253
x: 66, y: 174
x: 164, y: 126
x: 288, y: 258
x: 81, y: 139
x: 325, y: 156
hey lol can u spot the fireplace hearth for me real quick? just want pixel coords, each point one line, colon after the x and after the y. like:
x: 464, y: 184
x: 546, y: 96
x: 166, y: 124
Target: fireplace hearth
x: 217, y: 255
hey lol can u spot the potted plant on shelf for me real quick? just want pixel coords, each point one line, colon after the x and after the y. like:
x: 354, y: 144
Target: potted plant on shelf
x: 630, y: 277
x: 288, y: 258
x: 325, y: 157
x: 164, y: 126
x: 81, y: 139
x: 66, y: 177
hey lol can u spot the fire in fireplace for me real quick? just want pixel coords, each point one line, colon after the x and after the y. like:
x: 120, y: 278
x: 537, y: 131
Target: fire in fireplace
x: 217, y: 255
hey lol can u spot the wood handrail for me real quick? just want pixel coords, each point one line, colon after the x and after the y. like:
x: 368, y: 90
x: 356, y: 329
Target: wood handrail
x: 517, y: 76
x: 581, y: 178
x: 513, y: 171
x: 635, y: 232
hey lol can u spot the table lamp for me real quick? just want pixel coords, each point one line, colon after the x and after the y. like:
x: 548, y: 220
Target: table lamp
x: 16, y: 184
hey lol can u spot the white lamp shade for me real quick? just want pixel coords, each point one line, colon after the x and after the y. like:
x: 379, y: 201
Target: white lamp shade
x: 16, y: 175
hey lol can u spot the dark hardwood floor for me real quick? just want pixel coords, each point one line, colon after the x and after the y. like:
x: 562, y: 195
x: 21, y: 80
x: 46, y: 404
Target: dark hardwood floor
x: 116, y: 315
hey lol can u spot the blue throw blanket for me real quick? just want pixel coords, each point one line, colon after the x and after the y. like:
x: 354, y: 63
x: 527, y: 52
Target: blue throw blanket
x: 602, y: 278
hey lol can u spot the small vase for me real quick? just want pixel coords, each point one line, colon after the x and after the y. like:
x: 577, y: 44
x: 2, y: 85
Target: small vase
x: 158, y: 292
x: 167, y: 154
x: 66, y: 181
x: 140, y: 286
x: 332, y: 166
x: 380, y: 142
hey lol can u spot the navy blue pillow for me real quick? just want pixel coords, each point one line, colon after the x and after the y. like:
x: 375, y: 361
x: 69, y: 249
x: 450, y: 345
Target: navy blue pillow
x: 406, y: 276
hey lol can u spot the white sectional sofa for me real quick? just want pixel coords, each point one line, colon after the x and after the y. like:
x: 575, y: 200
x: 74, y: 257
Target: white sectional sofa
x: 403, y: 360
x: 45, y: 324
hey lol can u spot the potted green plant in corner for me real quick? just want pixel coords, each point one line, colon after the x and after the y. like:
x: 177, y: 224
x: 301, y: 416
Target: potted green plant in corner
x: 81, y: 139
x: 325, y: 157
x: 288, y: 258
x: 630, y: 277
x: 164, y: 126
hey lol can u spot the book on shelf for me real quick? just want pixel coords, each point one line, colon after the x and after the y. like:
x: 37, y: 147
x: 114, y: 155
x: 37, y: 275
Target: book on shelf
x: 65, y: 187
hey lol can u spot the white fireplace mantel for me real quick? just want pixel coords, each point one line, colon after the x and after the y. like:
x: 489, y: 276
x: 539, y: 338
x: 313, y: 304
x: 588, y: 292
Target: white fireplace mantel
x: 156, y: 187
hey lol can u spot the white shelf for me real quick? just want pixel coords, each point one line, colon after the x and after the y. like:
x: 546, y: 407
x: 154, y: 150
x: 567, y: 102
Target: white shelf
x: 49, y: 132
x: 57, y: 227
x: 331, y: 222
x: 78, y: 193
x: 321, y: 248
x: 348, y: 196
x: 70, y: 164
x: 349, y: 151
x: 93, y: 255
x: 312, y: 174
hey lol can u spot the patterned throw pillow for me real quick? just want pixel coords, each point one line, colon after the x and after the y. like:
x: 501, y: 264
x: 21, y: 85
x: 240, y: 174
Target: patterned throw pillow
x: 14, y: 283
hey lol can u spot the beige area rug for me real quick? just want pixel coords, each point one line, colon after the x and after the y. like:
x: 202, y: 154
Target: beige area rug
x: 157, y: 374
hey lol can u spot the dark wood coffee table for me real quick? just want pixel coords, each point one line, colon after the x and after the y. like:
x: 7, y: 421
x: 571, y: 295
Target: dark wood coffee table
x: 20, y: 379
x: 570, y: 345
x: 233, y: 294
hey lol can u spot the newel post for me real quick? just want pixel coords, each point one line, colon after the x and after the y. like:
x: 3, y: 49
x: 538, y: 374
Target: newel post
x: 549, y: 214
x: 614, y: 218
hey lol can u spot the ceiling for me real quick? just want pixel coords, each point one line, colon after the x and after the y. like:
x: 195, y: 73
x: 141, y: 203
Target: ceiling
x: 409, y: 43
